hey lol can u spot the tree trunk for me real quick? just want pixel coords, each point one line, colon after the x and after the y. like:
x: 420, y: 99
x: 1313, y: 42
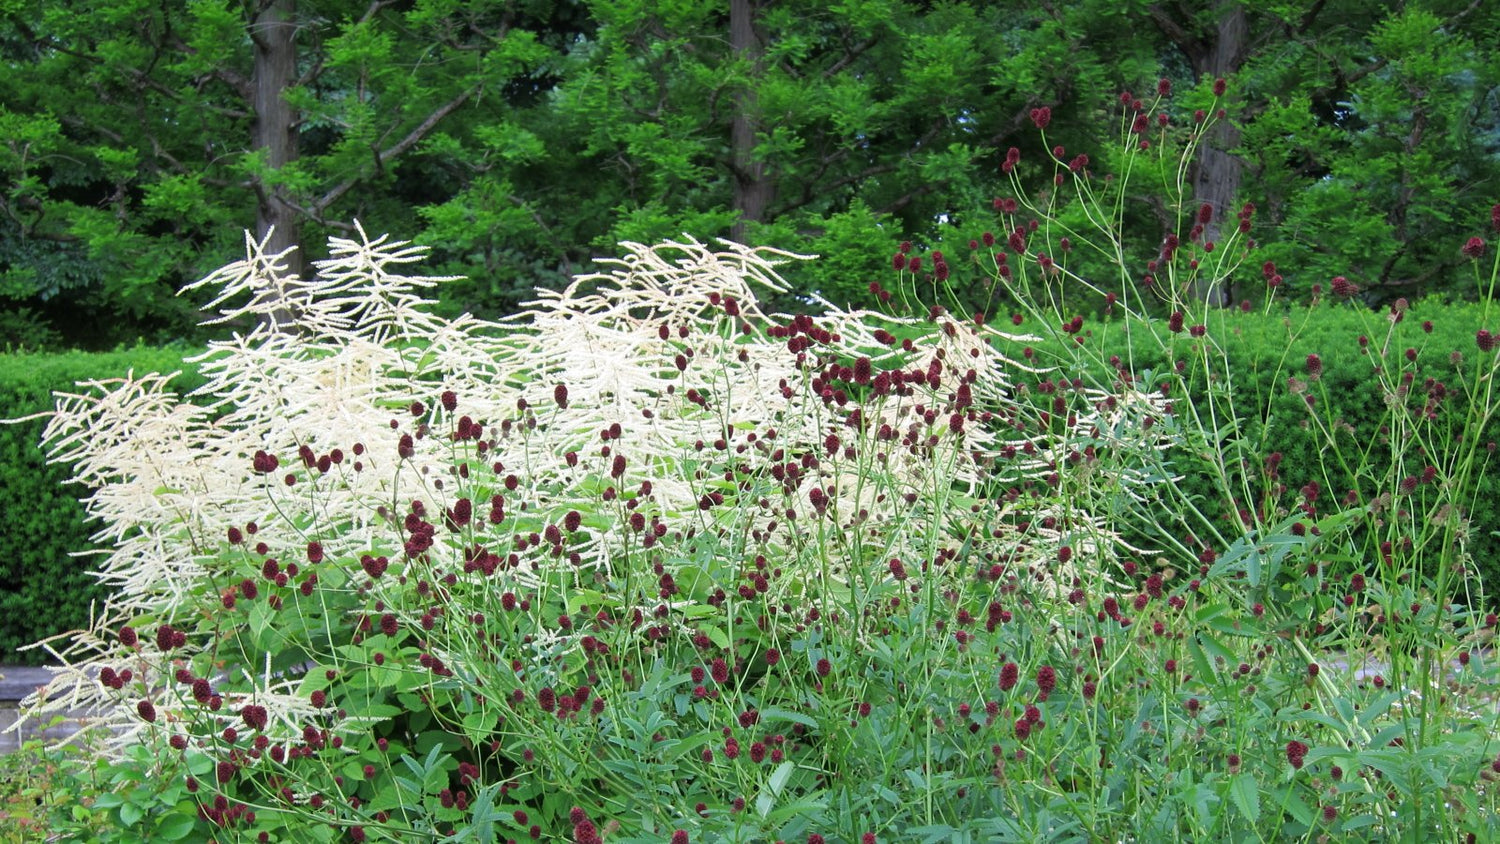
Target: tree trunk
x: 1216, y: 178
x: 753, y: 189
x: 273, y: 34
x: 1218, y: 52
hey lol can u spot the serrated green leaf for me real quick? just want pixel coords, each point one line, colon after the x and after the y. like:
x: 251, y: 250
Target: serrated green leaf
x: 1358, y: 822
x: 261, y: 616
x: 1215, y: 649
x: 1297, y: 806
x: 1245, y: 793
x: 1297, y: 715
x: 780, y: 776
x: 796, y: 809
x: 1200, y: 659
x: 934, y: 833
x: 1383, y: 739
x: 764, y: 802
x: 1377, y: 707
x: 773, y: 713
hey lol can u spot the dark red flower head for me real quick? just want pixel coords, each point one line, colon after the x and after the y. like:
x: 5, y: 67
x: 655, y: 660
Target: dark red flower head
x: 1474, y: 248
x: 1296, y: 751
x: 585, y: 832
x: 1046, y: 679
x: 255, y: 716
x: 1041, y: 117
x: 1017, y: 240
x: 1219, y: 86
x: 1009, y: 672
x: 264, y: 463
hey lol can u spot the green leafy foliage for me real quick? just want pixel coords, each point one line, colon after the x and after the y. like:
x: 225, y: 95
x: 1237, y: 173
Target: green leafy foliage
x: 1148, y: 570
x: 1366, y: 134
x: 1271, y: 351
x: 131, y: 157
x: 872, y: 619
x: 1374, y: 147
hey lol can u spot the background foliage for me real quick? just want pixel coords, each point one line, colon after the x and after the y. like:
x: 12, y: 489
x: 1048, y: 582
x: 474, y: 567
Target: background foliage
x: 43, y: 589
x: 520, y: 139
x: 1267, y: 351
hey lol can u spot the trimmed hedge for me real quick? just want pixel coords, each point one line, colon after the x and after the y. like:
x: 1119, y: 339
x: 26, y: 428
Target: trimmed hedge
x: 1266, y: 351
x: 43, y: 589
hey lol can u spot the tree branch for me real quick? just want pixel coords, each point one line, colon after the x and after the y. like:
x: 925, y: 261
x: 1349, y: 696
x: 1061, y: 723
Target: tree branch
x: 1017, y: 123
x: 906, y: 199
x: 1174, y: 31
x: 1310, y: 17
x: 850, y: 55
x: 313, y: 214
x: 815, y: 191
x: 374, y: 9
x: 1375, y: 66
x: 238, y: 83
x: 412, y: 139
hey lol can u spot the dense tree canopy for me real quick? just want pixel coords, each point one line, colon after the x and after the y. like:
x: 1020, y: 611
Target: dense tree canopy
x: 142, y: 137
x: 521, y: 137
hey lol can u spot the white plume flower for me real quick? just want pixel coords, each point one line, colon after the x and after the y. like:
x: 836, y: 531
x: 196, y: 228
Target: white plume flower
x: 345, y: 415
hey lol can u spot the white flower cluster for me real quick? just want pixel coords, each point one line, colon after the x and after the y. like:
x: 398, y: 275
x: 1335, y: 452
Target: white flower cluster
x: 669, y: 343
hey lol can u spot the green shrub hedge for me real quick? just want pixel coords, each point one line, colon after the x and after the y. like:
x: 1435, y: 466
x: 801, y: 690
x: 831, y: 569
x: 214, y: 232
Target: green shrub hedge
x: 1266, y: 351
x: 43, y: 589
